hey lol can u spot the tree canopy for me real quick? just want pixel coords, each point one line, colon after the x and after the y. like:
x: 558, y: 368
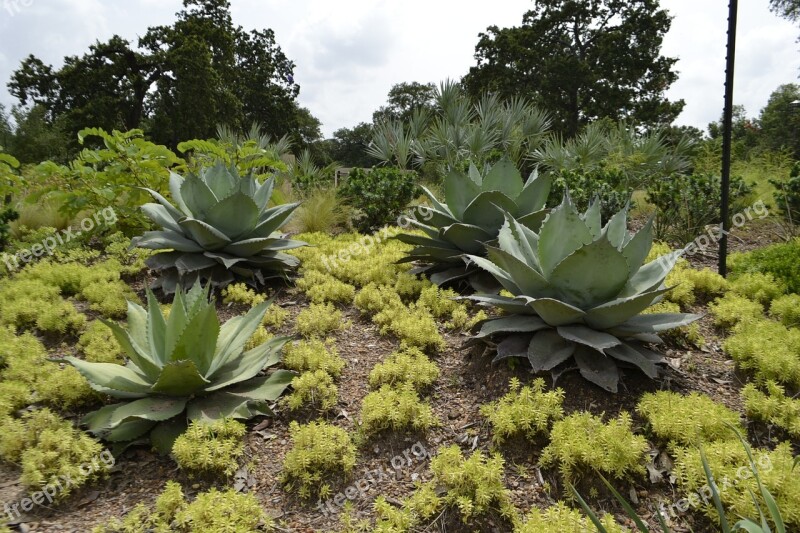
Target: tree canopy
x: 179, y: 83
x: 582, y: 61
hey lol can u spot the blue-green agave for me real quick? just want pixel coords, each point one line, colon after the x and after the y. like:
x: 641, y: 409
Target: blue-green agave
x: 471, y: 217
x: 578, y: 290
x: 219, y: 229
x: 182, y: 368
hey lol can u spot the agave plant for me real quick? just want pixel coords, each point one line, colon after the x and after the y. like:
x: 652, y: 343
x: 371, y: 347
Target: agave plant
x: 471, y: 216
x: 182, y: 368
x: 578, y: 289
x: 221, y: 229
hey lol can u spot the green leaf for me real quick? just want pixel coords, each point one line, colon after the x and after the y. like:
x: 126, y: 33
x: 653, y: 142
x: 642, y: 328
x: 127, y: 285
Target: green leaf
x: 235, y: 333
x: 562, y: 232
x: 189, y: 263
x: 529, y: 281
x: 197, y: 196
x: 629, y: 354
x: 180, y: 378
x: 160, y: 215
x: 248, y: 365
x: 597, y: 340
x: 593, y: 219
x: 153, y: 408
x: 200, y: 337
x: 638, y: 247
x: 511, y: 324
x: 509, y: 305
x: 272, y: 219
x: 533, y: 196
x: 653, y: 323
x: 468, y: 238
x: 163, y: 240
x: 175, y: 183
x: 548, y: 349
x: 137, y: 327
x: 264, y: 388
x: 163, y: 435
x: 137, y: 354
x: 520, y: 242
x: 503, y: 277
x: 597, y: 367
x: 503, y: 177
x: 156, y: 329
x: 208, y: 237
x: 591, y: 275
x: 263, y: 194
x: 110, y: 376
x: 617, y: 228
x: 554, y: 312
x: 459, y: 191
x: 615, y: 312
x: 651, y: 276
x: 486, y: 210
x: 235, y: 216
x: 219, y: 180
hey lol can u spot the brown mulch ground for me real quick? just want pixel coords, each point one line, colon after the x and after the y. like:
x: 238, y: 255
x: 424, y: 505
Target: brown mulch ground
x: 387, y: 462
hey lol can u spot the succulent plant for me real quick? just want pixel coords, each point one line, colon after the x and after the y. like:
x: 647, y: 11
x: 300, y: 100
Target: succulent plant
x: 221, y: 229
x: 471, y: 217
x: 182, y: 368
x: 578, y: 289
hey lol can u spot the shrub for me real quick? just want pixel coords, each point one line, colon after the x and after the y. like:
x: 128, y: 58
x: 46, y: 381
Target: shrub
x: 759, y: 287
x: 732, y: 309
x: 423, y: 504
x: 397, y: 409
x: 686, y: 420
x: 786, y: 308
x: 318, y: 320
x: 687, y: 204
x: 787, y: 195
x: 413, y: 325
x: 559, y: 518
x: 210, y: 448
x: 320, y: 211
x: 525, y: 411
x: 64, y: 388
x: 473, y: 485
x: 773, y: 407
x: 409, y: 365
x: 50, y: 450
x: 727, y: 459
x: 210, y: 512
x: 319, y: 453
x: 313, y: 389
x: 609, y: 186
x: 312, y: 355
x: 780, y: 260
x: 378, y: 195
x: 320, y: 287
x: 99, y: 345
x: 275, y: 316
x: 685, y: 335
x: 31, y: 303
x: 13, y: 395
x: 375, y: 298
x: 582, y: 443
x: 768, y: 349
x: 241, y: 294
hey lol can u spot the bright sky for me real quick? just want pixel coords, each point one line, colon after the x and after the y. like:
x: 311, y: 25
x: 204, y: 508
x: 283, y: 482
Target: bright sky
x: 350, y: 52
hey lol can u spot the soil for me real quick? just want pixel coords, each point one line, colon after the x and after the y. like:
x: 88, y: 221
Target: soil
x: 390, y: 464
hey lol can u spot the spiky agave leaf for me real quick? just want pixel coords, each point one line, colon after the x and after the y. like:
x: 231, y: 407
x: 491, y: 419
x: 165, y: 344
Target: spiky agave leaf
x: 471, y: 216
x: 219, y: 229
x: 578, y: 290
x: 183, y: 367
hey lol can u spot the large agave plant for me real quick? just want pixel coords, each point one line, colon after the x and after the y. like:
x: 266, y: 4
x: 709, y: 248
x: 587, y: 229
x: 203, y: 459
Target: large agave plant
x: 471, y: 217
x: 578, y: 290
x: 184, y: 367
x: 219, y: 229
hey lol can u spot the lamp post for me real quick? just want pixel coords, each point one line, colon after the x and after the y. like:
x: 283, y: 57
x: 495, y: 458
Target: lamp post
x: 727, y: 119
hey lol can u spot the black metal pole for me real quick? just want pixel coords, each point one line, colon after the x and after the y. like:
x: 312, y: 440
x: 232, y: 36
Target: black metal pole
x: 727, y: 118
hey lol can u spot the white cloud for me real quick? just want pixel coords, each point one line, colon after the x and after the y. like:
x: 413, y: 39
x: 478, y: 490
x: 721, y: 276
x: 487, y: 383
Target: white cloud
x: 350, y: 52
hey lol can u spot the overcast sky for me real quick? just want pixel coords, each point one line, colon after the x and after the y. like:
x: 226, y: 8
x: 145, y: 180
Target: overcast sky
x: 350, y: 52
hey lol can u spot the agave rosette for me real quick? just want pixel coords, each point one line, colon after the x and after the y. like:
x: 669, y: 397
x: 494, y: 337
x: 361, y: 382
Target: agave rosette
x: 578, y: 290
x: 219, y: 229
x: 471, y: 217
x: 182, y: 368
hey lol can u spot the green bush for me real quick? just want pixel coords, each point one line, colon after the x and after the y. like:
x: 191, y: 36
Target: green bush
x: 378, y: 195
x: 787, y: 195
x: 210, y: 448
x: 780, y: 260
x: 786, y: 308
x: 609, y: 186
x: 773, y: 407
x: 768, y: 349
x: 687, y: 204
x: 409, y: 365
x: 525, y: 411
x: 759, y: 287
x: 398, y: 409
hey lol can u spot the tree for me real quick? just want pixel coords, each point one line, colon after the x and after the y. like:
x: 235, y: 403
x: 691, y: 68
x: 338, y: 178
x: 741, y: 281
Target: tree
x: 403, y: 99
x: 178, y: 84
x: 582, y: 61
x: 349, y: 146
x: 780, y: 120
x: 36, y: 138
x: 789, y: 9
x: 746, y: 135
